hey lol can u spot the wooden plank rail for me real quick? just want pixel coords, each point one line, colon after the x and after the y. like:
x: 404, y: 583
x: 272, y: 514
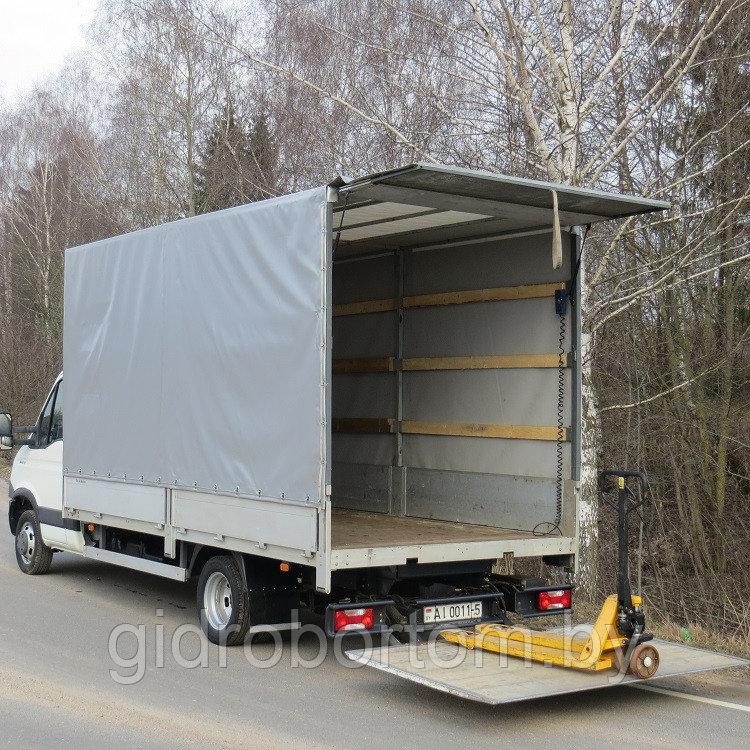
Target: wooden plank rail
x: 367, y: 426
x: 360, y: 308
x: 459, y: 429
x: 386, y: 426
x: 494, y: 362
x: 413, y: 364
x: 366, y: 364
x: 494, y: 294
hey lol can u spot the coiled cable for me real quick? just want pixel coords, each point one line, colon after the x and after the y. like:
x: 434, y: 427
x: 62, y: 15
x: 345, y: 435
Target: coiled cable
x: 546, y: 528
x: 560, y: 421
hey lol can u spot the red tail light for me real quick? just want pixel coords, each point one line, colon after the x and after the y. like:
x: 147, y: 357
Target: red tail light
x: 353, y: 619
x: 554, y: 599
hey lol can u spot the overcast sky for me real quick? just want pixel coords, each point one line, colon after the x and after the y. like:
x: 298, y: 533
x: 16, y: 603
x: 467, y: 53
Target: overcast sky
x: 35, y: 37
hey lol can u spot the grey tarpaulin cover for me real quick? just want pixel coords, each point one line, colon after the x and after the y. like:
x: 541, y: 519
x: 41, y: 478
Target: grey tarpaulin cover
x: 194, y: 352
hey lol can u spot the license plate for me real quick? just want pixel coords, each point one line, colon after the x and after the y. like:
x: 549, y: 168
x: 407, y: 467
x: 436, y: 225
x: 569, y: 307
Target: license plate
x: 453, y: 612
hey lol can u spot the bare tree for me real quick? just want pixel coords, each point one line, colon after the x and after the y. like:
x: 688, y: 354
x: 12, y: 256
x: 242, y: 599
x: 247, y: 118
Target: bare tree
x: 50, y: 201
x: 683, y: 304
x: 571, y: 92
x: 169, y: 83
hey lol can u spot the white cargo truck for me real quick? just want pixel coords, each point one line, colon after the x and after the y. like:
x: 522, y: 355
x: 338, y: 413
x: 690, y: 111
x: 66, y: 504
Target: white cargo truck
x: 354, y: 400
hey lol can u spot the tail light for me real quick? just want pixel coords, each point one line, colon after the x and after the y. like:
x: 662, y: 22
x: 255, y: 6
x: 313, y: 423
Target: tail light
x: 554, y: 599
x: 353, y: 619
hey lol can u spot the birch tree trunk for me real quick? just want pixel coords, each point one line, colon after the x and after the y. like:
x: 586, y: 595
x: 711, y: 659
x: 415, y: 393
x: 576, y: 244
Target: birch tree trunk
x: 588, y: 504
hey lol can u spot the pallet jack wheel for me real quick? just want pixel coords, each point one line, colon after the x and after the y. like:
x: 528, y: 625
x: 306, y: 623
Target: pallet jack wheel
x: 644, y: 661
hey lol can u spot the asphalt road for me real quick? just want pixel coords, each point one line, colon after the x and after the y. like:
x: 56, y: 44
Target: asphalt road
x: 56, y: 686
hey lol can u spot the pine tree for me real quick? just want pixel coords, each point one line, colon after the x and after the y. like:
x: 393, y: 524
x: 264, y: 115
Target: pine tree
x: 238, y: 164
x: 221, y: 180
x: 264, y: 159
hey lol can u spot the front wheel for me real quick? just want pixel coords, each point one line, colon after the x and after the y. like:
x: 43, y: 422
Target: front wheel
x: 223, y: 601
x: 33, y: 555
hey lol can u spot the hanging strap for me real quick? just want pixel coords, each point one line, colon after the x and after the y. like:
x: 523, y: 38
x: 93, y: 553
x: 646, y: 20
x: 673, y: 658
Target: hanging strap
x: 557, y: 257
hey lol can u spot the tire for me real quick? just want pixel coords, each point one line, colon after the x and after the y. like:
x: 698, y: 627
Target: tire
x: 223, y: 601
x: 34, y: 557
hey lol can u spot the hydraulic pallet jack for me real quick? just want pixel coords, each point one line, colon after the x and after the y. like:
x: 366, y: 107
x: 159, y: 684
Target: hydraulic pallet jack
x: 618, y: 637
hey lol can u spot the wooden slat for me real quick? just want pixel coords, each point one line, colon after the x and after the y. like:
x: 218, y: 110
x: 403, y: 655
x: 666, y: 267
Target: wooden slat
x: 360, y: 308
x: 491, y: 362
x: 497, y: 362
x: 494, y: 294
x: 452, y: 429
x: 459, y: 429
x: 365, y: 364
x: 368, y: 426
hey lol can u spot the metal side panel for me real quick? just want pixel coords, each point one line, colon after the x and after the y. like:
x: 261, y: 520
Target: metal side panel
x: 527, y: 546
x: 361, y: 486
x: 487, y: 499
x: 115, y: 499
x: 264, y: 523
x: 494, y: 678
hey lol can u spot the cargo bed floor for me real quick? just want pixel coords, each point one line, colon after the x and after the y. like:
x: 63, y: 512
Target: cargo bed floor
x: 352, y: 529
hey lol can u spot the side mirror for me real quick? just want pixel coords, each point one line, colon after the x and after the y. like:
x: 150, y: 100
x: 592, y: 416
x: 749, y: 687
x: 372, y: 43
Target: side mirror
x: 6, y: 432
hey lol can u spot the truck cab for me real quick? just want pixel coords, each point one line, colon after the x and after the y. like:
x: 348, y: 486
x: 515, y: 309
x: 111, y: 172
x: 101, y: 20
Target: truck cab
x: 36, y: 484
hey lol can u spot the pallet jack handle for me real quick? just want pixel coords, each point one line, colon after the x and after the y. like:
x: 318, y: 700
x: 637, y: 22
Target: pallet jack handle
x: 626, y: 503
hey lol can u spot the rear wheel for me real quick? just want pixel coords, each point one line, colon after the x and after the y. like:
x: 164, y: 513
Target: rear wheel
x: 223, y: 601
x: 34, y: 557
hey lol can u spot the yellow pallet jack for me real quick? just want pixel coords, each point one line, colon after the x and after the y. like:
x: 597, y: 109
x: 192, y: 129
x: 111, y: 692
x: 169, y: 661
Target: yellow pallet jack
x: 617, y: 639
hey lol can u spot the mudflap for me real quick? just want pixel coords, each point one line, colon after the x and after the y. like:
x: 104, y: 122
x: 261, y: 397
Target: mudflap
x: 497, y: 678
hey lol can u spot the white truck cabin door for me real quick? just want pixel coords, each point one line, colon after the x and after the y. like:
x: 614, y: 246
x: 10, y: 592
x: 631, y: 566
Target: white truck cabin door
x: 43, y: 465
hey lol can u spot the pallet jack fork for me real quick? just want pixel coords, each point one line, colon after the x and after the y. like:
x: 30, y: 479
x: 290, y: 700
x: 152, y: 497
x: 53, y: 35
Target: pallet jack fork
x: 618, y: 637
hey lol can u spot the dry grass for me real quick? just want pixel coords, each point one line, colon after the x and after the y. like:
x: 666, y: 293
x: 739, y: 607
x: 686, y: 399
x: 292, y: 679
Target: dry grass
x: 691, y: 634
x: 702, y: 637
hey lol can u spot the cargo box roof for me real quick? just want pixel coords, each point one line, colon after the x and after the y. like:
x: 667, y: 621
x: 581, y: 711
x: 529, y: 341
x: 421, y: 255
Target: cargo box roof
x: 421, y: 204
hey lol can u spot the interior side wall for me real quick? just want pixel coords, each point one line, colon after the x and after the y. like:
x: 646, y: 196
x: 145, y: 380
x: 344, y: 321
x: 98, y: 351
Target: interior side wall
x: 494, y: 481
x: 362, y: 466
